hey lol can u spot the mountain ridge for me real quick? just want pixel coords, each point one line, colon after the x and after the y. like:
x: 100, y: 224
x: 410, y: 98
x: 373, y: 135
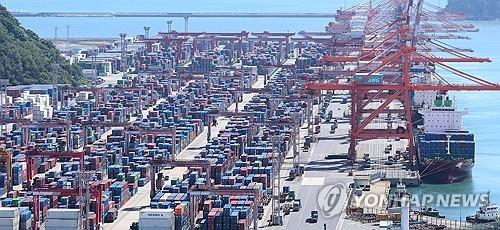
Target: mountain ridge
x: 25, y: 58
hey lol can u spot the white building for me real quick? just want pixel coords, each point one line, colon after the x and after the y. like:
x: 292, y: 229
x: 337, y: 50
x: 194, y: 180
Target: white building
x: 42, y: 108
x: 442, y: 116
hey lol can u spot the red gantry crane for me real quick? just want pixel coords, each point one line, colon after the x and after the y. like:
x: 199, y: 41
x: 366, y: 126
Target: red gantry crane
x: 92, y: 188
x: 394, y: 48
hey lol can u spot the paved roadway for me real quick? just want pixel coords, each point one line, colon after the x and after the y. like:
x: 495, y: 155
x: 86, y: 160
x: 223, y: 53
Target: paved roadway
x: 318, y: 173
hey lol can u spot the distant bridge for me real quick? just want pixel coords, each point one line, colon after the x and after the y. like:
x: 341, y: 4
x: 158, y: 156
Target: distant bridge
x: 173, y: 15
x: 77, y: 40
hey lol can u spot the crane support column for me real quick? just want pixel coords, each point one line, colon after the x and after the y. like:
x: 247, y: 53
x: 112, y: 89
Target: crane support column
x: 186, y: 24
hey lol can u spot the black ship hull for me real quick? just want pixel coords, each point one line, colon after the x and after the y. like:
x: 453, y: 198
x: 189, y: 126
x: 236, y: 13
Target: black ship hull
x: 445, y: 171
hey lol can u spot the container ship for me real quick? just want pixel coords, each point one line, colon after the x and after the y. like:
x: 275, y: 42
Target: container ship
x: 446, y: 150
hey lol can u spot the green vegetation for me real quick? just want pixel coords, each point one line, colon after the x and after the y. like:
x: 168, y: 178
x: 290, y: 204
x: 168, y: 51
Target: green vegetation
x: 476, y: 9
x: 27, y: 59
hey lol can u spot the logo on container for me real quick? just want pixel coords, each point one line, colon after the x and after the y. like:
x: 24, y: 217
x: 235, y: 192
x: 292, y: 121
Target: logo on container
x: 152, y: 214
x: 330, y: 199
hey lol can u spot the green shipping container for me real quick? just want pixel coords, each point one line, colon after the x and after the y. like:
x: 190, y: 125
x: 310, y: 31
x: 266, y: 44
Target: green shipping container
x: 15, y: 202
x: 120, y: 177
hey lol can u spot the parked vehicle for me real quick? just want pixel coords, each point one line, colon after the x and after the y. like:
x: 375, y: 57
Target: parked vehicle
x: 314, y: 217
x: 333, y: 128
x: 286, y: 209
x: 291, y: 174
x: 296, y: 205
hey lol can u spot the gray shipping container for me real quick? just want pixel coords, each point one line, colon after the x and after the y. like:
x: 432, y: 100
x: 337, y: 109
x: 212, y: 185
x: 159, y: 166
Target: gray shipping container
x: 6, y: 212
x: 9, y: 227
x: 62, y: 223
x: 162, y: 228
x: 68, y: 214
x: 9, y: 222
x: 61, y: 228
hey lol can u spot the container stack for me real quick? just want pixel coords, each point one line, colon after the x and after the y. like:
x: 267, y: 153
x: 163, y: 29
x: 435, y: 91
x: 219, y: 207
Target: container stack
x: 227, y: 212
x: 241, y: 157
x: 120, y: 193
x: 26, y: 221
x: 202, y: 65
x: 181, y: 217
x: 133, y: 182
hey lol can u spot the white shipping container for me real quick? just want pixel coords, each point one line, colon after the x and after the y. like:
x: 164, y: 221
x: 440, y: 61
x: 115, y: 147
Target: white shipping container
x: 62, y: 223
x: 6, y: 212
x: 60, y: 228
x: 83, y: 96
x: 145, y: 228
x: 156, y: 214
x: 161, y: 219
x: 9, y: 221
x: 9, y: 227
x: 70, y: 214
x: 160, y: 224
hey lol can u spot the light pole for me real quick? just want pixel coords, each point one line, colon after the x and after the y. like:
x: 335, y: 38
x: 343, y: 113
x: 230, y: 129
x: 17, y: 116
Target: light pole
x: 275, y: 205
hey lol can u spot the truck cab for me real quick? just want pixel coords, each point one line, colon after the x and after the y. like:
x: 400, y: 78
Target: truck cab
x: 314, y: 216
x: 291, y: 174
x: 296, y: 205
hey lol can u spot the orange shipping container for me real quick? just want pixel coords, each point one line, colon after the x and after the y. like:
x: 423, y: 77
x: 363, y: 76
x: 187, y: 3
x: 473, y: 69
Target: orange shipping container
x: 179, y: 210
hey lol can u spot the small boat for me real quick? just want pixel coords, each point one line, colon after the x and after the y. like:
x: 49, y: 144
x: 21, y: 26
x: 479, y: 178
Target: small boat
x: 428, y: 211
x: 488, y: 212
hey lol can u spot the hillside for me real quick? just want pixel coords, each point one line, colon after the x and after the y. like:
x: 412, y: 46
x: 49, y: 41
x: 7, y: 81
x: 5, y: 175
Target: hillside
x: 476, y: 9
x: 26, y: 59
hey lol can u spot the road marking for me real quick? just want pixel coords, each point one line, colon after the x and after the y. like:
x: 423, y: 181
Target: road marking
x: 313, y: 181
x: 304, y: 206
